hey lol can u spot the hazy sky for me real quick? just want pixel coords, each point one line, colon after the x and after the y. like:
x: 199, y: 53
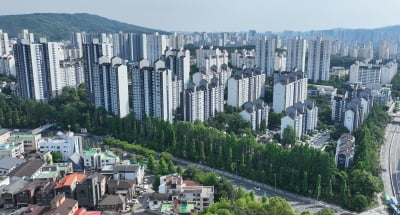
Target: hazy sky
x: 226, y: 15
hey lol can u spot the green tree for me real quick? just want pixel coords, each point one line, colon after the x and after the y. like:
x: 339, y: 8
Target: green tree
x: 318, y: 187
x: 163, y: 168
x: 151, y: 164
x: 156, y: 183
x: 289, y: 136
x: 171, y: 167
x: 306, y: 213
x: 326, y: 211
x: 179, y: 170
x: 359, y: 202
x: 57, y: 156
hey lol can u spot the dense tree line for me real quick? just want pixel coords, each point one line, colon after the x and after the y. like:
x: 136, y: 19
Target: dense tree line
x: 300, y: 169
x: 396, y: 85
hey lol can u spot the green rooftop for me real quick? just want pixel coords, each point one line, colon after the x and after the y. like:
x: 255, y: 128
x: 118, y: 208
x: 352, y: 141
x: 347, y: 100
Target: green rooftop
x: 90, y: 153
x: 167, y: 207
x: 183, y: 208
x: 23, y: 135
x: 44, y: 175
x: 187, y: 208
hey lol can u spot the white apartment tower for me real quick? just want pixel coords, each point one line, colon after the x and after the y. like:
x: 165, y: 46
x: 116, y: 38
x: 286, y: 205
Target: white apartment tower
x: 204, y: 100
x: 296, y: 54
x: 319, y: 59
x: 156, y: 46
x: 289, y: 88
x: 110, y: 79
x: 208, y: 57
x: 5, y: 48
x: 265, y: 49
x: 246, y: 86
x: 152, y: 90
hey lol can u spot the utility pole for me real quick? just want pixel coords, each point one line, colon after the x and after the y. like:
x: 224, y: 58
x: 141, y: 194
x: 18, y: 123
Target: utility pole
x: 275, y: 181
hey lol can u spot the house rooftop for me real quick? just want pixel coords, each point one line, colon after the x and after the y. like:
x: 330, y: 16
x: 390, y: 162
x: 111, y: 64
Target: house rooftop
x: 126, y: 168
x: 63, y: 208
x: 14, y: 187
x: 112, y: 200
x: 28, y: 168
x: 70, y: 179
x: 9, y: 162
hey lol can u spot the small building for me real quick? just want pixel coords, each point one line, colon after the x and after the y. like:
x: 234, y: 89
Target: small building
x: 7, y: 164
x: 125, y: 188
x: 113, y: 203
x: 30, y: 141
x: 27, y: 194
x: 67, y: 144
x: 95, y: 159
x: 28, y: 170
x: 11, y: 149
x: 61, y: 205
x: 45, y: 193
x: 187, y: 191
x: 88, y: 192
x: 133, y: 172
x: 9, y: 193
x: 67, y: 185
x: 4, y: 135
x: 345, y: 151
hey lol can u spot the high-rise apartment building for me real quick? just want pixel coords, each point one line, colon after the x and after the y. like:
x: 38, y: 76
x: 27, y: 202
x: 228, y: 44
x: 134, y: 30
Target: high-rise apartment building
x: 208, y: 57
x: 265, y: 49
x: 246, y: 86
x: 296, y: 54
x: 202, y: 101
x: 152, y: 90
x: 32, y: 71
x: 5, y: 48
x: 319, y: 59
x: 289, y: 88
x: 373, y: 74
x: 92, y: 51
x: 156, y: 46
x: 110, y: 84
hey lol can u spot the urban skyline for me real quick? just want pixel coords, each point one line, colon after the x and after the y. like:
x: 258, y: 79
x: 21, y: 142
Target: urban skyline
x: 224, y: 15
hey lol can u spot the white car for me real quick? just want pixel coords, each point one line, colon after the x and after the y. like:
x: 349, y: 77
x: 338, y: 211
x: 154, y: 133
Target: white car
x: 257, y: 188
x: 135, y: 201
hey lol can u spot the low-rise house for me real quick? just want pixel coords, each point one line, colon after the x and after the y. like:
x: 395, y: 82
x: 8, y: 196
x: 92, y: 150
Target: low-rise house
x: 133, y: 172
x: 8, y: 193
x: 121, y: 187
x: 345, y: 151
x: 11, y: 149
x: 187, y: 191
x: 61, y: 205
x: 113, y: 203
x: 4, y: 135
x: 7, y: 164
x: 28, y: 170
x: 178, y: 207
x: 45, y: 193
x: 95, y: 159
x: 157, y: 199
x: 51, y: 172
x: 26, y: 194
x: 67, y: 185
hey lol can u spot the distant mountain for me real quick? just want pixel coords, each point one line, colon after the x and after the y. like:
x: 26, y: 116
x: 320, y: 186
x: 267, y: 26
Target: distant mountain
x: 58, y: 26
x: 375, y: 35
